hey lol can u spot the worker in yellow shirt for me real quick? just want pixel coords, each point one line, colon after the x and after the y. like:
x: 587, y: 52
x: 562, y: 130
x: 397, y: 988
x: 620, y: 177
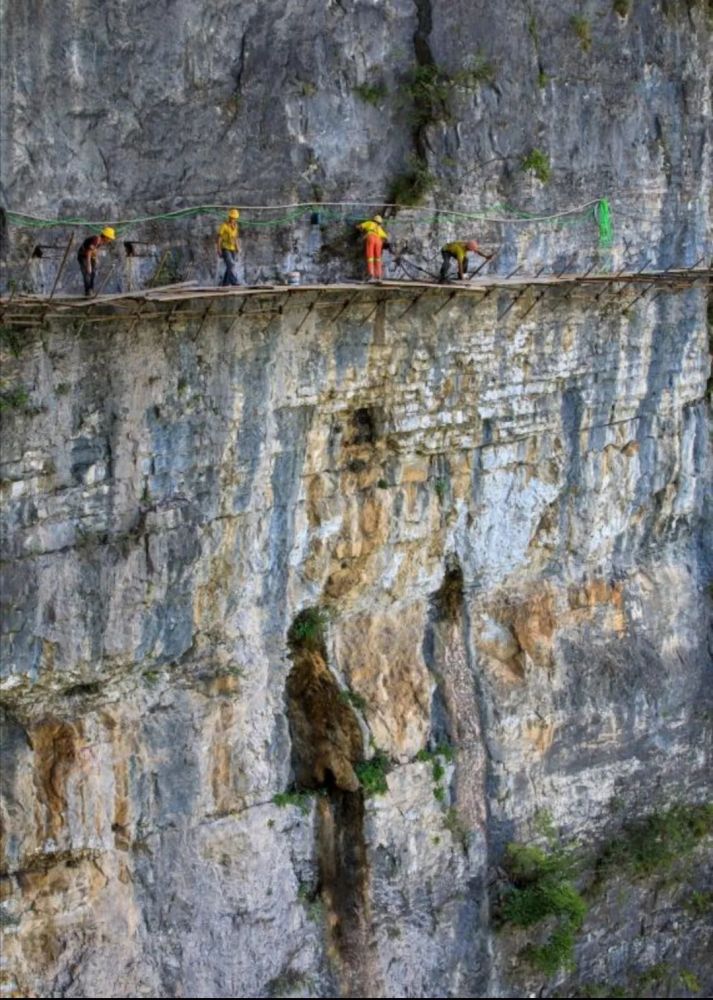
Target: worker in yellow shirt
x: 459, y: 251
x: 375, y: 239
x: 229, y: 246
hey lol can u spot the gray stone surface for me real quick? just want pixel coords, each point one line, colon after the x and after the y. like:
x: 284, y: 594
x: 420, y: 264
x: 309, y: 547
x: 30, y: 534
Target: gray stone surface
x: 506, y: 521
x: 114, y: 114
x: 506, y: 525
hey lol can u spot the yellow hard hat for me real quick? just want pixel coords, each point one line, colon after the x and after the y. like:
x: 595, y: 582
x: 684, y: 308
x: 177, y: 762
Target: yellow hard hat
x: 109, y: 233
x: 377, y: 218
x: 233, y: 213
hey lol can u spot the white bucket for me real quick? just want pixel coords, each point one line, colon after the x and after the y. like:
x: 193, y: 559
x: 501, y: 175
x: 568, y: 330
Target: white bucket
x: 293, y: 278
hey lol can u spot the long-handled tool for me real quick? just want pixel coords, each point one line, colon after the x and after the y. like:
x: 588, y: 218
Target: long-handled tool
x: 402, y: 263
x: 487, y: 260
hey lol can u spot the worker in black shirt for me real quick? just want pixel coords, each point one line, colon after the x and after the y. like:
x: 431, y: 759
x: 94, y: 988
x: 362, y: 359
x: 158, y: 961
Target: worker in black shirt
x: 87, y: 256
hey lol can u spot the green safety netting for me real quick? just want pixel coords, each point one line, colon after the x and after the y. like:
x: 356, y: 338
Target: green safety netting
x: 602, y: 214
x: 598, y: 210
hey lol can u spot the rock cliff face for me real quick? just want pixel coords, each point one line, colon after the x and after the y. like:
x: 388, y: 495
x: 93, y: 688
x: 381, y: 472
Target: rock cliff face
x: 307, y: 617
x: 246, y: 560
x: 139, y: 108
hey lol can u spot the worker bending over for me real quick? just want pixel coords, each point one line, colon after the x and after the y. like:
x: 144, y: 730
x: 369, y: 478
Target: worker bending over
x: 229, y: 246
x: 87, y: 256
x: 375, y: 239
x: 459, y: 251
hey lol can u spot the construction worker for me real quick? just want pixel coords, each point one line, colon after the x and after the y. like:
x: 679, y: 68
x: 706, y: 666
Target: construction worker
x: 375, y: 239
x: 459, y: 251
x: 229, y: 246
x: 87, y: 256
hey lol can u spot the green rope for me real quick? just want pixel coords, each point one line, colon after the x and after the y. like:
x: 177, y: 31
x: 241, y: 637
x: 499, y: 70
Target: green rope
x: 602, y: 214
x: 502, y: 214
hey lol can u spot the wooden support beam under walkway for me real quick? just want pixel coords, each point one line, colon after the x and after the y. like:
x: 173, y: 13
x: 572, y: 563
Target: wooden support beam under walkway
x: 35, y: 310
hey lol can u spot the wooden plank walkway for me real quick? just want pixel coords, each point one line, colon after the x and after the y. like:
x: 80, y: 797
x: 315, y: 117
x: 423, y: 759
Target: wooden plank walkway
x: 32, y: 310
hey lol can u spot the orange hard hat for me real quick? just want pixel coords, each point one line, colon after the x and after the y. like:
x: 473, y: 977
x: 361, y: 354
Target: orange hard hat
x: 472, y: 245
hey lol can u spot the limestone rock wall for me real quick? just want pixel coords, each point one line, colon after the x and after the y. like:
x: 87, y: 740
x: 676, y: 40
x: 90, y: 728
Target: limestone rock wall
x: 141, y: 108
x: 471, y: 549
x: 255, y: 566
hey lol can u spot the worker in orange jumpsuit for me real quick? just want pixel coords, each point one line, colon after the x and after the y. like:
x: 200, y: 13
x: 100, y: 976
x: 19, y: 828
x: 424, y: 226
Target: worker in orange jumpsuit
x: 375, y: 240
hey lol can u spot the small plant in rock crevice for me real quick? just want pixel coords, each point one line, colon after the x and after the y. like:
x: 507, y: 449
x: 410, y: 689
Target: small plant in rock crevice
x: 371, y: 93
x: 13, y: 398
x: 355, y: 700
x: 689, y: 981
x: 232, y: 105
x: 412, y: 186
x: 699, y: 904
x: 302, y: 800
x: 442, y: 754
x: 310, y: 899
x: 455, y: 826
x: 537, y: 163
x: 372, y: 774
x: 583, y: 30
x: 427, y: 94
x: 440, y: 487
x: 427, y: 89
x: 479, y: 70
x: 308, y: 629
x: 306, y: 88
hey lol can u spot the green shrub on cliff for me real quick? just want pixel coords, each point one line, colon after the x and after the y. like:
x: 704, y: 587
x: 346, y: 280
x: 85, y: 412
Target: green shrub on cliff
x: 654, y: 843
x: 372, y: 774
x: 583, y: 30
x: 539, y: 889
x: 13, y: 398
x: 538, y: 163
x: 372, y: 93
x: 308, y: 629
x: 411, y: 187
